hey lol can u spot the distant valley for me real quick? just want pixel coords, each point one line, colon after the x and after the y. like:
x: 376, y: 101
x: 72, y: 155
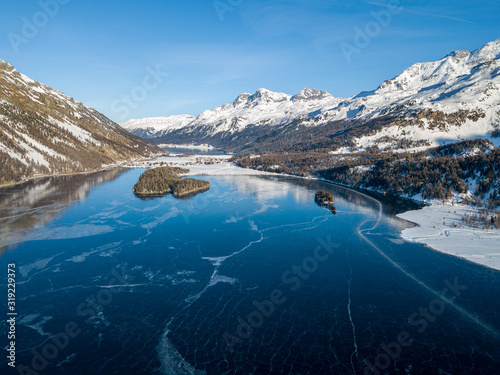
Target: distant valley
x: 432, y: 132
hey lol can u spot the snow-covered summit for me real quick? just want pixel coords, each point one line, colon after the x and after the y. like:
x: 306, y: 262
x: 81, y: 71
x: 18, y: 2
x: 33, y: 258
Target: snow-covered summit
x: 264, y: 107
x: 488, y: 52
x: 242, y: 98
x: 311, y: 94
x: 454, y: 65
x: 264, y: 96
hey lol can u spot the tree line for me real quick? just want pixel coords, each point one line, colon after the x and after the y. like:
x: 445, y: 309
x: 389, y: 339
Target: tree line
x: 465, y: 167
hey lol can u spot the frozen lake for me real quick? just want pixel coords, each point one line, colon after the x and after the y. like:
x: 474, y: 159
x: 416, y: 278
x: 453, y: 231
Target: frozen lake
x: 250, y: 277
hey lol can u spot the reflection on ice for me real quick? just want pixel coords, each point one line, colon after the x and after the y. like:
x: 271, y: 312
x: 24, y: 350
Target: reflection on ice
x: 261, y: 210
x: 35, y: 203
x: 270, y: 188
x: 266, y: 188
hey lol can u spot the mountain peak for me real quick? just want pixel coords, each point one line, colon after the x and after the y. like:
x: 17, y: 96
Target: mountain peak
x: 490, y: 51
x: 242, y: 98
x: 311, y: 94
x: 264, y: 96
x: 459, y: 54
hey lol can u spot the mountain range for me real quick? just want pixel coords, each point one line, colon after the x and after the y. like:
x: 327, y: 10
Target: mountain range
x: 429, y: 104
x: 43, y: 132
x: 432, y: 131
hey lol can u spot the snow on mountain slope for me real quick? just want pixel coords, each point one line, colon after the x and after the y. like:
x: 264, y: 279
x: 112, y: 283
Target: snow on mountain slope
x: 442, y: 84
x: 264, y: 107
x: 456, y: 97
x: 154, y: 126
x: 43, y: 131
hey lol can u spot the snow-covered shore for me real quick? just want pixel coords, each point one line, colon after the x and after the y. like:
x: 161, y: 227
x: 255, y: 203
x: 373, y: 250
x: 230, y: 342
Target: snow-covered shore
x: 440, y: 227
x: 204, y: 147
x: 199, y: 165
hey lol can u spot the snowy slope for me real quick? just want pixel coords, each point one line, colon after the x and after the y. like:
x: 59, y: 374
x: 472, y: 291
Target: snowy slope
x: 456, y: 97
x: 43, y: 131
x: 152, y: 127
x: 264, y: 107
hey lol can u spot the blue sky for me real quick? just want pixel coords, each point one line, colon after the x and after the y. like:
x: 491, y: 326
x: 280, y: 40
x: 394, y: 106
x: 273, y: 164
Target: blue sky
x: 133, y: 59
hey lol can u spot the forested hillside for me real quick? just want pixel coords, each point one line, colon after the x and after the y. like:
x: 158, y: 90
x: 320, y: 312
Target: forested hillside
x: 43, y: 131
x: 468, y: 169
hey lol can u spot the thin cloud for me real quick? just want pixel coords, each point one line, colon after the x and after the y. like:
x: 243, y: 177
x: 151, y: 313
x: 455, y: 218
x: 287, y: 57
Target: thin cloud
x: 423, y: 13
x: 222, y: 63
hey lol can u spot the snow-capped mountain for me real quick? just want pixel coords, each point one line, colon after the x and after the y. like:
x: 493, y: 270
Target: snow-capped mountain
x: 263, y: 109
x: 43, y: 131
x: 454, y: 98
x: 152, y: 127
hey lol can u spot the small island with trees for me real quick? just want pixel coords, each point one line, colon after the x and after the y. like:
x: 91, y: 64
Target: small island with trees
x: 161, y: 181
x: 325, y: 199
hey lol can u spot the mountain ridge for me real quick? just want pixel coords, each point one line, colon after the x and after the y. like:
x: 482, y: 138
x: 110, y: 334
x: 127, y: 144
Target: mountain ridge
x: 455, y: 96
